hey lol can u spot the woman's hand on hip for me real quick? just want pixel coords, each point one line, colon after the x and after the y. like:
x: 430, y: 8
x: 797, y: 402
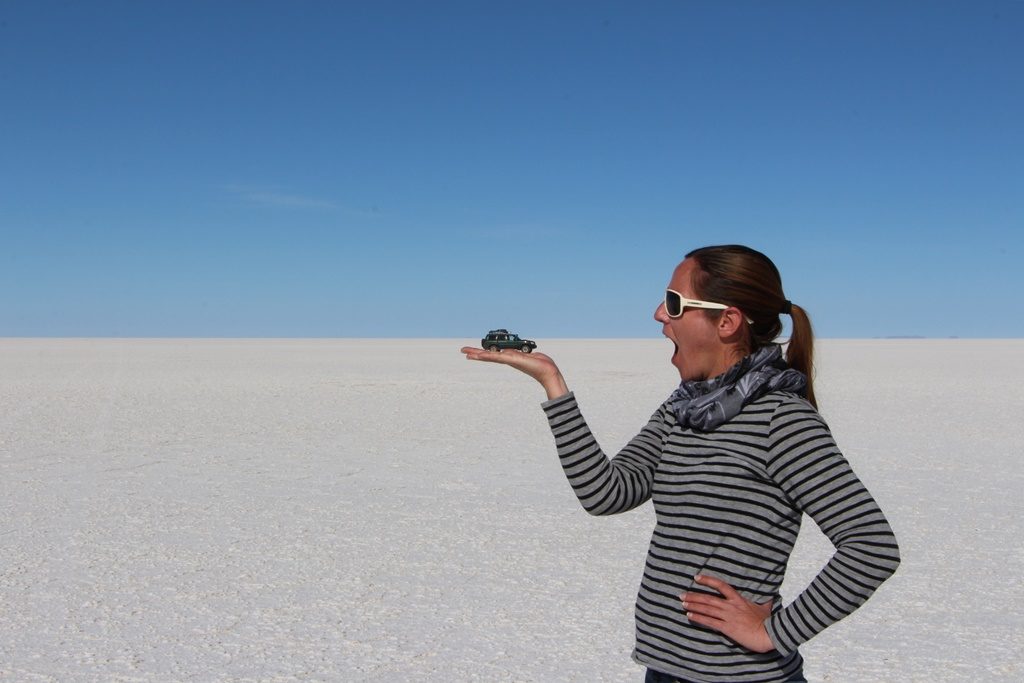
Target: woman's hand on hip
x: 537, y: 365
x: 732, y: 615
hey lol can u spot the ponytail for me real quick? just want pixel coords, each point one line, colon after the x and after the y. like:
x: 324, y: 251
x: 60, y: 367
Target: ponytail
x: 800, y: 350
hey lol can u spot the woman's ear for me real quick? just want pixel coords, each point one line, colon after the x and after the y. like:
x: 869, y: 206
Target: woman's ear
x: 730, y: 324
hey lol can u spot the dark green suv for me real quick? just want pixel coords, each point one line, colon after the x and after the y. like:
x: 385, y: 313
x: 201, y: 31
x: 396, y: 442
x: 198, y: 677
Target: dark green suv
x: 496, y: 340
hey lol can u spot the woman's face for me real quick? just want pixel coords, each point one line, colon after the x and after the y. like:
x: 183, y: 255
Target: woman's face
x: 698, y: 349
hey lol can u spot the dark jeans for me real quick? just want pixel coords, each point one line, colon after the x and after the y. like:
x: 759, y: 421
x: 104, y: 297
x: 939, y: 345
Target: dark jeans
x: 656, y: 677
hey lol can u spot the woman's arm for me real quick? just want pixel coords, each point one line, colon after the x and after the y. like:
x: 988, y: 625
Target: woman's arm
x: 808, y: 466
x: 806, y: 463
x: 603, y: 486
x: 606, y: 486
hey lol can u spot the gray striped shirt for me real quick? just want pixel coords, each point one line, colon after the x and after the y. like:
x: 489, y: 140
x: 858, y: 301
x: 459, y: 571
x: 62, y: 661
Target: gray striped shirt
x: 728, y: 504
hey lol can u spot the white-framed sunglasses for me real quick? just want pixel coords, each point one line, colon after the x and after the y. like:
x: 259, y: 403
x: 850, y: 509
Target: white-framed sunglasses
x: 676, y: 303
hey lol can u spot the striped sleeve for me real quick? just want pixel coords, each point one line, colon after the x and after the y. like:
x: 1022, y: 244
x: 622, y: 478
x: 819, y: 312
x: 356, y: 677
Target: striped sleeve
x: 605, y: 486
x: 806, y: 463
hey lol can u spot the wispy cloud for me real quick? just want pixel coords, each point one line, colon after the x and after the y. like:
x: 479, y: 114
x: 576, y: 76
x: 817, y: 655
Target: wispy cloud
x: 289, y: 200
x: 275, y: 198
x: 521, y: 232
x: 264, y: 197
x: 283, y: 200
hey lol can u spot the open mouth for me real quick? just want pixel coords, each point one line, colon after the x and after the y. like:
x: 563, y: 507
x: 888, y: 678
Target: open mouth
x: 675, y: 346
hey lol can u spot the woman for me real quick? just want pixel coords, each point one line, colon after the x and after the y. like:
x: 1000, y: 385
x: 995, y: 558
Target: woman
x: 731, y: 460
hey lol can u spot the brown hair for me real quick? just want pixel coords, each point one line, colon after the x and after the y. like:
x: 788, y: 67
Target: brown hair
x: 747, y: 279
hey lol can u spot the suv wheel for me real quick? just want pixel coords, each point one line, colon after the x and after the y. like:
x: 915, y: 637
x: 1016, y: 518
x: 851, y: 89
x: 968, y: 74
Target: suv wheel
x: 492, y: 347
x: 526, y: 348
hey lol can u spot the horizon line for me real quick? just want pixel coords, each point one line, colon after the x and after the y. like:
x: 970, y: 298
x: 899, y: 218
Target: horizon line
x: 434, y: 337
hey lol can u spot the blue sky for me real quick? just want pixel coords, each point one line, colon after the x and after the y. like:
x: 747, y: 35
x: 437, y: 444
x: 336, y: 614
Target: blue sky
x: 437, y: 169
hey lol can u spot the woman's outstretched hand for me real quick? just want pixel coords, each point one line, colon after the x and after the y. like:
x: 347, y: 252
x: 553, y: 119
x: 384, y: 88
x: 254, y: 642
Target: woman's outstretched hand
x: 732, y: 614
x: 536, y: 365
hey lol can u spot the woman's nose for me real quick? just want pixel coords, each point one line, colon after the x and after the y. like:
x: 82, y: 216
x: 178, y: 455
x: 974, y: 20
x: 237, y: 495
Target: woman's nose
x: 659, y: 313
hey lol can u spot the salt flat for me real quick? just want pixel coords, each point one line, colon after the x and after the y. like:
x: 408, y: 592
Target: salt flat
x: 348, y: 510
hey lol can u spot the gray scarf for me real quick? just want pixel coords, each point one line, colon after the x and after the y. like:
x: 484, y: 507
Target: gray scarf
x: 706, y: 404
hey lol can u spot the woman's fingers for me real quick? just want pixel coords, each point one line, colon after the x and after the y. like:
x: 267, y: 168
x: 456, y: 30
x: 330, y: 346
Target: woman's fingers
x: 705, y: 608
x: 703, y: 620
x: 511, y: 357
x: 722, y: 587
x: 507, y: 356
x: 473, y: 353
